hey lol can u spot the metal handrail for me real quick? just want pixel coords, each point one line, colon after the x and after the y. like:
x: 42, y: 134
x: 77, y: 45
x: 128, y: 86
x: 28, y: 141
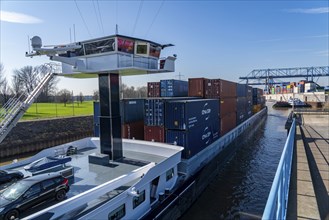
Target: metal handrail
x: 276, y: 205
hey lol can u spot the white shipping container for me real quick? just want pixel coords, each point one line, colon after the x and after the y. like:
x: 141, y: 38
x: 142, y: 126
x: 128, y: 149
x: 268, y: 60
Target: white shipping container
x: 309, y: 87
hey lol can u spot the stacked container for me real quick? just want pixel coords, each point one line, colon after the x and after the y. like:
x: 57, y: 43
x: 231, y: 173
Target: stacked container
x: 153, y: 89
x: 244, y: 103
x: 154, y: 117
x: 249, y: 101
x: 196, y: 87
x: 241, y: 109
x: 258, y: 100
x: 225, y: 92
x: 301, y: 86
x: 173, y: 88
x: 154, y: 120
x: 193, y: 124
x: 132, y: 117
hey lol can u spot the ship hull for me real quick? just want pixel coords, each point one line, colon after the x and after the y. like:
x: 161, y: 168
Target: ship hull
x: 203, y: 167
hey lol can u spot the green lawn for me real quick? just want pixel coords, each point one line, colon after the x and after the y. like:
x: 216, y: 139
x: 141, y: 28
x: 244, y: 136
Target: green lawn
x: 53, y: 110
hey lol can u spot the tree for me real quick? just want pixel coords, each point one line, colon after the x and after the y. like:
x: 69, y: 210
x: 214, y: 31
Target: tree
x: 2, y: 72
x: 142, y: 92
x: 16, y: 85
x: 4, y: 88
x: 96, y: 95
x: 28, y: 78
x: 50, y: 88
x: 65, y: 96
x: 5, y: 92
x: 131, y: 92
x: 81, y: 97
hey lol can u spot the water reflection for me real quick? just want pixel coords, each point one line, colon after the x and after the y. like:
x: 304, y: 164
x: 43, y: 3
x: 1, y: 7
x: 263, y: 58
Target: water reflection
x: 242, y: 186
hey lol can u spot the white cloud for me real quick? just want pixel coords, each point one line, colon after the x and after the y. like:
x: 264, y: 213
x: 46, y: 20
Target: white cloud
x: 321, y: 10
x: 14, y: 17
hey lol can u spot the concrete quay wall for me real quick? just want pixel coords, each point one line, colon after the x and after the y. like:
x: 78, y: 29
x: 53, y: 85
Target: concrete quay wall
x: 32, y: 136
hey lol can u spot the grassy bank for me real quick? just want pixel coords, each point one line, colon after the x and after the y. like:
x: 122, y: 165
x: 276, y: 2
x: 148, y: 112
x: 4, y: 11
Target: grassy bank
x: 53, y: 110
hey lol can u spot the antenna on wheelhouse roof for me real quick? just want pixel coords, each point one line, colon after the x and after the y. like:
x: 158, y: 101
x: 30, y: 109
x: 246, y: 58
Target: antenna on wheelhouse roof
x: 74, y: 33
x: 28, y: 43
x: 116, y: 29
x: 70, y: 36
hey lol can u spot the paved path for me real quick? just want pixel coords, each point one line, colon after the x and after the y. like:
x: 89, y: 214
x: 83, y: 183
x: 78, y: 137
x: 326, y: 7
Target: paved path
x: 309, y: 189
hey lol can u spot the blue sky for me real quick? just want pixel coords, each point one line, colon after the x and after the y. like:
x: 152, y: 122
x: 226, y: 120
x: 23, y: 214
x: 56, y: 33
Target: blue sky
x: 214, y: 39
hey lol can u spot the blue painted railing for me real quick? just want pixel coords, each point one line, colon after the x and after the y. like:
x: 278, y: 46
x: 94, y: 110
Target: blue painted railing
x: 276, y: 205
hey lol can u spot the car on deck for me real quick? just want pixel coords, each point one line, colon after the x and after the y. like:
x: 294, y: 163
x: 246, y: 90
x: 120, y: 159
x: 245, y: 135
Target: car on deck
x: 7, y: 176
x: 30, y: 192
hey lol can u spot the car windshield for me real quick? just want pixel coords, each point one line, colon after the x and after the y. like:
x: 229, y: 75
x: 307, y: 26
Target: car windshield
x: 15, y: 190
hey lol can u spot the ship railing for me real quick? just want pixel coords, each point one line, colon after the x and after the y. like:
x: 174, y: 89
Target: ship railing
x: 276, y: 205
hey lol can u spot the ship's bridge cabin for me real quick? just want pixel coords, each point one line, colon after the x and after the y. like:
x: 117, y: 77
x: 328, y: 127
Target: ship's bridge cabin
x: 116, y: 54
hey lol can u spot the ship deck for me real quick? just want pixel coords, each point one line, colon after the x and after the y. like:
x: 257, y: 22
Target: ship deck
x: 88, y: 175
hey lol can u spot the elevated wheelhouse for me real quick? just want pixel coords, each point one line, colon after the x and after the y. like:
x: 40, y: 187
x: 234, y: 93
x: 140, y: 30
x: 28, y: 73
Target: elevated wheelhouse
x: 116, y: 54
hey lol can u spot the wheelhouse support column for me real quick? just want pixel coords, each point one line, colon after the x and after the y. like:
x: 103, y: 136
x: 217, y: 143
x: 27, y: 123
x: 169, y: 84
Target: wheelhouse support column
x: 110, y: 119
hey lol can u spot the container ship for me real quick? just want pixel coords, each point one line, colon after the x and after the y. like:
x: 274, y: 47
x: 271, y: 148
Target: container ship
x: 170, y: 143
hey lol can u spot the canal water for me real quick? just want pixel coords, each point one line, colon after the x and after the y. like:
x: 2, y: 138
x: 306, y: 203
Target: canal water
x: 241, y: 188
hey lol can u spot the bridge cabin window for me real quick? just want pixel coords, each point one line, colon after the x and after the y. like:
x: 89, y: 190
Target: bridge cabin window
x: 169, y: 174
x: 141, y: 48
x: 137, y: 200
x: 154, y: 51
x: 101, y: 46
x: 125, y: 45
x: 117, y: 213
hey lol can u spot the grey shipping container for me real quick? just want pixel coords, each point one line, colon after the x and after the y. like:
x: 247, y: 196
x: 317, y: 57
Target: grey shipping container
x: 132, y: 110
x: 173, y: 88
x: 186, y: 114
x: 241, y: 103
x: 196, y: 138
x: 241, y: 90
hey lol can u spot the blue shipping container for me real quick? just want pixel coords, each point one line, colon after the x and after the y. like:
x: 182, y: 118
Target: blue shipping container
x: 132, y: 110
x: 196, y: 138
x: 186, y: 114
x: 155, y: 110
x: 173, y: 88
